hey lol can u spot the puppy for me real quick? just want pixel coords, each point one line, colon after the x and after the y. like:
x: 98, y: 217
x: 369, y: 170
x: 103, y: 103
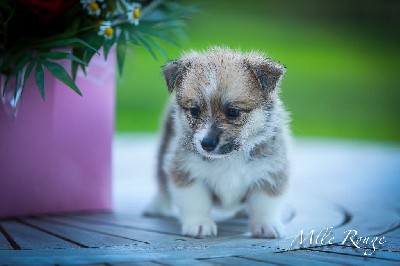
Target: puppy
x: 224, y: 142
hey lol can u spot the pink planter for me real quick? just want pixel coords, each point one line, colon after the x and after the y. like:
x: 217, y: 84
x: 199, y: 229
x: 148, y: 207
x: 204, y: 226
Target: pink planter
x: 56, y: 155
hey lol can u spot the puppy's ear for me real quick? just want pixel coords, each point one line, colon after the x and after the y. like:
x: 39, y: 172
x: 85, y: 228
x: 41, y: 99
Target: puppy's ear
x: 267, y: 73
x: 174, y: 72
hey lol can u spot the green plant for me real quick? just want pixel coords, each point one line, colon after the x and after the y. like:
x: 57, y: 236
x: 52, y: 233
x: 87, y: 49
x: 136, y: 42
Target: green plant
x: 32, y: 31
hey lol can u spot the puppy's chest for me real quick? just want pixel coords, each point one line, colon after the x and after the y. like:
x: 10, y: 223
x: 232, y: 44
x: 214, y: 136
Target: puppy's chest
x: 228, y: 179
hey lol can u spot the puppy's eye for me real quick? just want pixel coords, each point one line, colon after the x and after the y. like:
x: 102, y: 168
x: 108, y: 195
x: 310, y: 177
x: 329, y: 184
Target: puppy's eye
x: 232, y: 113
x: 195, y: 112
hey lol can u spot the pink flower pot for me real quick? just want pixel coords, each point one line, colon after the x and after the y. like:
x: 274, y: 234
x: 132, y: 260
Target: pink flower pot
x: 56, y: 155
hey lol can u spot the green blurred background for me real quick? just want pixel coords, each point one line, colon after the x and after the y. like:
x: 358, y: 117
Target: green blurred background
x: 343, y: 61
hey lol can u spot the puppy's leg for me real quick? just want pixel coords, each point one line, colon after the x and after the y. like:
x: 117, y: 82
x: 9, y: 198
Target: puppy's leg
x: 194, y: 203
x: 161, y: 205
x: 265, y: 214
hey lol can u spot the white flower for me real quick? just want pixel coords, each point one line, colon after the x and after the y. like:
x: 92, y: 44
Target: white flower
x: 133, y: 14
x: 92, y: 6
x: 106, y: 30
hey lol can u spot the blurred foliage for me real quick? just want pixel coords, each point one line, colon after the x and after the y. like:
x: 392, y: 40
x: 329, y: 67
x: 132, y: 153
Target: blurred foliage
x: 343, y: 61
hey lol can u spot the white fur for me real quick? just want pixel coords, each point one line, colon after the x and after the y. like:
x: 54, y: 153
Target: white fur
x: 160, y: 205
x: 229, y: 177
x: 198, y: 137
x: 194, y: 204
x: 210, y: 88
x: 265, y: 216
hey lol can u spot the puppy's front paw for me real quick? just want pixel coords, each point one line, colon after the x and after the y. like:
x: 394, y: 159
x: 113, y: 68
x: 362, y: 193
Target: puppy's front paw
x: 199, y: 228
x: 267, y: 229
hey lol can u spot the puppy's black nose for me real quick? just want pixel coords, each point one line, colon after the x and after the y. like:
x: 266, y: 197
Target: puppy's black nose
x: 209, y: 143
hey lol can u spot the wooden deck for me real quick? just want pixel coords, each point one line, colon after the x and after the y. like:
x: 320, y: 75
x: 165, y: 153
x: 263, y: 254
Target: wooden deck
x: 339, y: 185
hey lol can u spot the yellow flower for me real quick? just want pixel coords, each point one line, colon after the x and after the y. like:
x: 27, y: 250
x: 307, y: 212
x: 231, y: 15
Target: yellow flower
x: 133, y: 14
x: 92, y: 6
x: 136, y: 13
x: 106, y: 30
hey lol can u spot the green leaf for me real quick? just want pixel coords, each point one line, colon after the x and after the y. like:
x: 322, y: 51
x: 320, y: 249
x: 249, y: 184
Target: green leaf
x: 28, y: 72
x: 66, y: 42
x: 147, y: 46
x: 107, y: 46
x: 6, y: 83
x: 61, y: 74
x: 161, y: 50
x: 39, y: 75
x: 96, y: 41
x: 62, y: 55
x: 170, y: 24
x: 22, y: 59
x: 161, y: 36
x: 17, y: 77
x: 121, y: 51
x: 79, y: 53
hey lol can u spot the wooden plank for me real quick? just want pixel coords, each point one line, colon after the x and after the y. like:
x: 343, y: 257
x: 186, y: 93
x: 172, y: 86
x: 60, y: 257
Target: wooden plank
x: 4, y: 243
x: 392, y: 245
x: 287, y: 258
x: 183, y: 262
x: 84, y: 238
x: 137, y: 263
x: 394, y: 232
x: 156, y: 238
x: 166, y: 226
x: 147, y: 237
x: 29, y: 238
x: 307, y: 257
x: 162, y: 225
x: 236, y: 261
x: 355, y: 252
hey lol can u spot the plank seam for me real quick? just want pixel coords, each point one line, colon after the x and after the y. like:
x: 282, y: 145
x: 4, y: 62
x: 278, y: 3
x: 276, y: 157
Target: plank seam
x: 126, y: 226
x: 339, y: 253
x: 91, y: 230
x: 9, y: 238
x: 159, y: 263
x: 51, y: 233
x: 253, y: 259
x: 366, y: 248
x: 347, y: 216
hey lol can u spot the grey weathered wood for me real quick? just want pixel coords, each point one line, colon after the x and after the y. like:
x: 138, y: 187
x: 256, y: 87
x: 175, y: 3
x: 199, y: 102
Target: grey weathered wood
x: 84, y: 237
x: 355, y: 252
x: 4, y: 244
x: 120, y: 230
x: 183, y: 262
x: 113, y: 255
x: 29, y: 238
x: 138, y: 263
x: 154, y: 233
x: 236, y: 261
x: 166, y: 226
x: 156, y: 224
x: 307, y: 257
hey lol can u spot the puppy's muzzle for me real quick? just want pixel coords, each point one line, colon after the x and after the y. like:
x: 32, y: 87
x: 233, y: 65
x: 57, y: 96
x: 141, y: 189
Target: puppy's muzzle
x: 211, y: 140
x: 209, y: 143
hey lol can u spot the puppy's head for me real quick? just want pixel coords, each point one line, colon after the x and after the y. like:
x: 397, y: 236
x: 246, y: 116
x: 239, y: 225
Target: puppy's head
x: 225, y: 99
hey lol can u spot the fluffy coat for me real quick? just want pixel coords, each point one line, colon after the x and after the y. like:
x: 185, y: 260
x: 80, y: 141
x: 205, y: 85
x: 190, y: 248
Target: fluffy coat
x: 224, y: 141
